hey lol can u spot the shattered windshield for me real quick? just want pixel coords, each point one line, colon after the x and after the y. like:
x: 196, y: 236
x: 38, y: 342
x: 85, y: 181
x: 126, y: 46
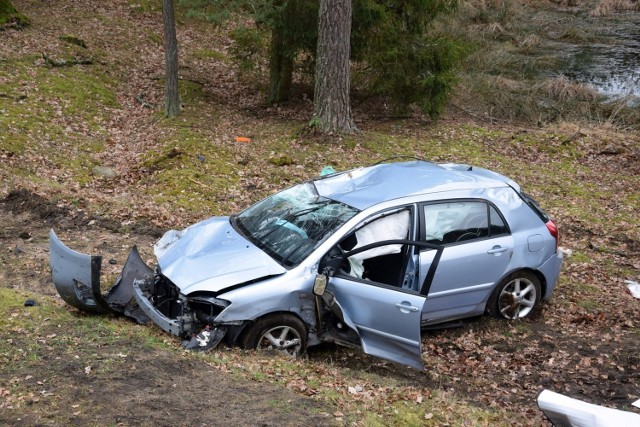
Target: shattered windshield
x: 289, y: 225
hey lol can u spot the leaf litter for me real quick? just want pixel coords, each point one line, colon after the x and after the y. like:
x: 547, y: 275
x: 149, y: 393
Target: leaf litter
x: 583, y: 343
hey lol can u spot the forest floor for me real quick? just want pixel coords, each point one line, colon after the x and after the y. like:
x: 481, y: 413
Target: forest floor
x: 85, y: 150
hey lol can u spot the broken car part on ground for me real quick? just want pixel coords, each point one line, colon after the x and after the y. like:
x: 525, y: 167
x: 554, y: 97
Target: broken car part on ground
x: 363, y: 258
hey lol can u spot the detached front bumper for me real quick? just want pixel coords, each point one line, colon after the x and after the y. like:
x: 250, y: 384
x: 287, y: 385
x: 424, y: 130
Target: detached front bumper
x: 76, y: 277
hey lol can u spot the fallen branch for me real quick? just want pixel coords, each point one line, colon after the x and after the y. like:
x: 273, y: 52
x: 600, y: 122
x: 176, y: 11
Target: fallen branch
x: 200, y: 183
x: 143, y: 102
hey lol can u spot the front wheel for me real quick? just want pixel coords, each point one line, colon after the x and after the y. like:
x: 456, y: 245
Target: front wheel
x: 282, y: 332
x: 516, y: 296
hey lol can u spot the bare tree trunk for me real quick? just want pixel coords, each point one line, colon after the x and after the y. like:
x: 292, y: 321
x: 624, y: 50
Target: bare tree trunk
x: 331, y: 104
x: 171, y: 59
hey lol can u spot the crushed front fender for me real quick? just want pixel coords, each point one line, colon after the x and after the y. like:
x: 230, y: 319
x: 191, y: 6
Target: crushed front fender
x: 76, y: 277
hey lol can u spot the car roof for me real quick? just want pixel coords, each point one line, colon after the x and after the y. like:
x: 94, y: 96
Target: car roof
x: 368, y: 186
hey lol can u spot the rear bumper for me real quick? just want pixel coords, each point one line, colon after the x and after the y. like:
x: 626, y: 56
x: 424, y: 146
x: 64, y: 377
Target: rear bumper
x: 551, y: 271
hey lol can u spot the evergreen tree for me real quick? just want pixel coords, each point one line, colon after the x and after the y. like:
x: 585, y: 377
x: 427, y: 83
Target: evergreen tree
x: 395, y: 53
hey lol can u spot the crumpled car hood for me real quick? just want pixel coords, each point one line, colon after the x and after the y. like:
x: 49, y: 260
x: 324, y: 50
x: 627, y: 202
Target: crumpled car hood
x: 211, y: 256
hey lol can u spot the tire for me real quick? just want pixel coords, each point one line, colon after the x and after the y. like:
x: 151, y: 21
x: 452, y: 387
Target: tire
x: 281, y: 332
x: 516, y: 296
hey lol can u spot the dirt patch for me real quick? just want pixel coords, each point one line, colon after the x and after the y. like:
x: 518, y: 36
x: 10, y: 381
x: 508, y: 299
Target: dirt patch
x: 24, y: 201
x: 129, y: 385
x: 49, y: 214
x: 107, y: 382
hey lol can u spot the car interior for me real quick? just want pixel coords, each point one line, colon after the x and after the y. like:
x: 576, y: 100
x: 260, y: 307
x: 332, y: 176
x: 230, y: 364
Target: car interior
x: 384, y: 264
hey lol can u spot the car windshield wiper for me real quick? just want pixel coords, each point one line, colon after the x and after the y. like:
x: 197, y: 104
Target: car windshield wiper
x: 317, y: 205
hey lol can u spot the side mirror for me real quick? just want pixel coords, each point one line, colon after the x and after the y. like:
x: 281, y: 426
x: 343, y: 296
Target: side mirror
x: 320, y: 284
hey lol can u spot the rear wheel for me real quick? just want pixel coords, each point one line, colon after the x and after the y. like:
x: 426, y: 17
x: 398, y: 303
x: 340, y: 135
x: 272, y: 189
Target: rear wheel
x: 516, y: 296
x: 282, y: 332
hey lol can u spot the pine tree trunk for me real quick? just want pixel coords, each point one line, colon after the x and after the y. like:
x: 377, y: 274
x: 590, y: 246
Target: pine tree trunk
x: 171, y: 59
x: 331, y: 105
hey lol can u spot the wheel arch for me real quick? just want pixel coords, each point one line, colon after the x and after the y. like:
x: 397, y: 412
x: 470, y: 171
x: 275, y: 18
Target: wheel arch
x: 537, y: 273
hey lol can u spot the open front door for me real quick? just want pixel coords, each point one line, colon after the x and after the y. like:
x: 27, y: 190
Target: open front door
x: 374, y: 287
x: 386, y: 319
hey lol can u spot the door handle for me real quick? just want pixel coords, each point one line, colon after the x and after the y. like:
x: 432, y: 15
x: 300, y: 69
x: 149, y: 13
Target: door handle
x: 497, y: 250
x: 407, y: 307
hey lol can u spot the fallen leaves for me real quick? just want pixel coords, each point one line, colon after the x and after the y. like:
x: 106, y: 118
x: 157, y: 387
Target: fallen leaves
x: 583, y: 342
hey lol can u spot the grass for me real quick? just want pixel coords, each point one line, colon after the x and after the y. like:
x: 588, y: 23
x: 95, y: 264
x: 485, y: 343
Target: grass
x: 609, y: 7
x: 36, y: 100
x: 378, y: 399
x: 196, y: 169
x: 209, y: 54
x: 53, y: 325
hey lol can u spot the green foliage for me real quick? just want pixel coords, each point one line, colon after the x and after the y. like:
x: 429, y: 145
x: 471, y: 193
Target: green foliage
x: 390, y: 42
x: 417, y: 71
x: 249, y: 48
x: 401, y: 57
x: 287, y: 26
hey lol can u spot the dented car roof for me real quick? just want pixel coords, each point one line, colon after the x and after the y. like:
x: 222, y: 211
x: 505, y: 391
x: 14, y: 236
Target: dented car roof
x: 368, y: 186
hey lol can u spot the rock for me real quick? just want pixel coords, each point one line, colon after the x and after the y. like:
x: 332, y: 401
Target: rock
x: 103, y: 171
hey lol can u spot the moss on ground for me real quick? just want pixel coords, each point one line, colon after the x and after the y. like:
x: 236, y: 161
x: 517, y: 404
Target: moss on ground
x: 36, y: 99
x: 209, y: 54
x: 190, y: 172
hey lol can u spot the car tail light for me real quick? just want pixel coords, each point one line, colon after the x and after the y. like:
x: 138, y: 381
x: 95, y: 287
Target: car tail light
x: 553, y: 229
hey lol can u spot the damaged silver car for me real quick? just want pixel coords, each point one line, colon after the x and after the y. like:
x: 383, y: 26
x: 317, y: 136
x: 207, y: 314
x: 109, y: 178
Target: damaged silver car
x: 363, y: 258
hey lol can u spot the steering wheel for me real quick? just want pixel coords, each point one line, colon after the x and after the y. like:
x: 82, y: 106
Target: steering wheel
x: 289, y: 226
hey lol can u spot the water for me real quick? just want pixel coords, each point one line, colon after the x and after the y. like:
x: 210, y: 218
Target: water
x: 613, y: 69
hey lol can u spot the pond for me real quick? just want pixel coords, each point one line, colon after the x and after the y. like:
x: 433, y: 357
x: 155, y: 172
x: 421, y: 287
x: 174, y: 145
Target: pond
x: 612, y: 66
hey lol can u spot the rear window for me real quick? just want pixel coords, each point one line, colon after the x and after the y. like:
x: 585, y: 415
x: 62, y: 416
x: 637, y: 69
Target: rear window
x: 531, y: 202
